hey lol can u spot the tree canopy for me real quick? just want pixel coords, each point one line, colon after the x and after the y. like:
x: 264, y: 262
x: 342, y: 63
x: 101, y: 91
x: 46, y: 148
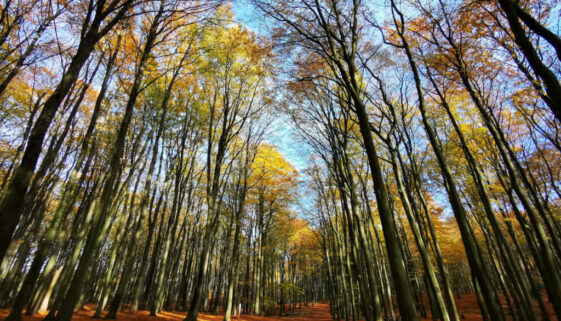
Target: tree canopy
x: 391, y: 158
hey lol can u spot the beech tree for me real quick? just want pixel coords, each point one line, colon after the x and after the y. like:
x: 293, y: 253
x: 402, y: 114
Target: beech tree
x: 167, y: 155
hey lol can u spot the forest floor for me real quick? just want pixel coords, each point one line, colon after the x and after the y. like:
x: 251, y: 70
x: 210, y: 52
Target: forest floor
x: 467, y: 307
x: 320, y: 312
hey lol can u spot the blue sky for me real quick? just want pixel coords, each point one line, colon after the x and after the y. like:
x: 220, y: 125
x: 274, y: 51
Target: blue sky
x: 247, y: 15
x: 282, y: 134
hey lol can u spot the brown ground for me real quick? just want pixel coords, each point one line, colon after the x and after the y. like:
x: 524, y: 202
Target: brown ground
x: 467, y: 306
x: 318, y: 313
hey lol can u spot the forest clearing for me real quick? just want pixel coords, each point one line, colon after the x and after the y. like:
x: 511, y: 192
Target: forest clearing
x: 377, y: 160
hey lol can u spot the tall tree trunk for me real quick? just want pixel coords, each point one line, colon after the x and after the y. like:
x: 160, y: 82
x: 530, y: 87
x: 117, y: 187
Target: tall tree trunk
x: 13, y: 201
